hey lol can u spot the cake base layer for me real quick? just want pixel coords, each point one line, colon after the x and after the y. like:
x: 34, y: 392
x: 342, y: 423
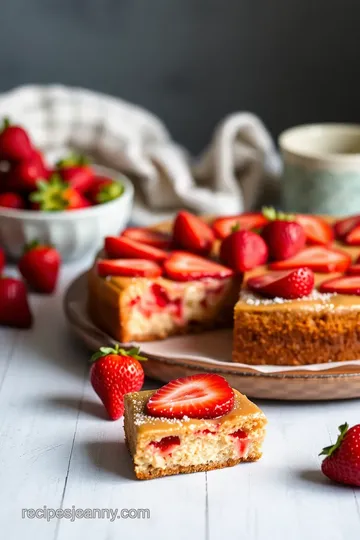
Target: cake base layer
x: 317, y: 330
x: 153, y: 472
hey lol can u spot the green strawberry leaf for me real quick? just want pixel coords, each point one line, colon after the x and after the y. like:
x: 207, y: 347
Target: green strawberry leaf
x: 236, y: 227
x: 104, y: 351
x: 271, y: 214
x: 329, y: 450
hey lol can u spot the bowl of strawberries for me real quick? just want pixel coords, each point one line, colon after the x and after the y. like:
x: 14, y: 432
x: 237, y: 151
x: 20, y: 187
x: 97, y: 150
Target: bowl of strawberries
x: 71, y: 205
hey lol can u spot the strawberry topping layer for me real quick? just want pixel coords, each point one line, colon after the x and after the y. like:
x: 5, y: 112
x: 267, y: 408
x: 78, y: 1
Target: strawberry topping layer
x: 148, y: 236
x: 223, y: 226
x: 128, y: 268
x: 192, y: 233
x: 121, y: 247
x: 342, y: 285
x: 197, y: 396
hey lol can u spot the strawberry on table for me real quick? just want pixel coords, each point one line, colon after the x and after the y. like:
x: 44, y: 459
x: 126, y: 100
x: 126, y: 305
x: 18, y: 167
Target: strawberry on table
x: 342, y: 285
x: 128, y: 268
x: 12, y: 200
x: 118, y: 247
x: 183, y: 266
x: 149, y: 237
x: 192, y: 233
x: 14, y: 306
x: 56, y: 195
x: 243, y: 250
x: 284, y: 236
x: 223, y: 226
x: 39, y: 266
x: 104, y: 189
x: 342, y: 462
x: 115, y: 372
x: 290, y: 284
x: 318, y: 258
x: 15, y: 144
x: 76, y: 171
x: 317, y: 230
x: 198, y: 396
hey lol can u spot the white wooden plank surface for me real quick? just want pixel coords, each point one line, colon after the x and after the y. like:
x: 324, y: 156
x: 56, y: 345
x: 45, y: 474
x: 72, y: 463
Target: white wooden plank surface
x: 57, y: 449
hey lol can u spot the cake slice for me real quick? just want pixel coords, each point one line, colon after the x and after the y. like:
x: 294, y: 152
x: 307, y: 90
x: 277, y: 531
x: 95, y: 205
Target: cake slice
x: 145, y: 309
x: 182, y: 428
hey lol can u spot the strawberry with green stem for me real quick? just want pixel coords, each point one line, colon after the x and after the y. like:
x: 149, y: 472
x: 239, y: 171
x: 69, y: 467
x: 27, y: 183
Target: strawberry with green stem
x: 342, y: 462
x: 104, y: 190
x: 76, y: 171
x: 283, y: 235
x: 116, y: 371
x: 56, y: 195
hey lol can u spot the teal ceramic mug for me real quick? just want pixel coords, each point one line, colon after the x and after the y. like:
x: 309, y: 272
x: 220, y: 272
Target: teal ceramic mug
x: 321, y: 169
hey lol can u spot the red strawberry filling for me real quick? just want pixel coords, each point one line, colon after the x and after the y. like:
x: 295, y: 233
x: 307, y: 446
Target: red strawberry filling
x: 166, y: 445
x: 241, y: 441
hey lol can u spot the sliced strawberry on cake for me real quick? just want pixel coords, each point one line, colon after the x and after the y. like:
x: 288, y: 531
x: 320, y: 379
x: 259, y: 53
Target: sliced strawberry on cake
x: 317, y: 258
x: 344, y: 227
x: 192, y: 233
x: 290, y: 284
x: 128, y: 267
x: 195, y: 423
x: 150, y: 237
x: 342, y: 285
x: 122, y: 247
x: 223, y: 226
x: 317, y: 230
x: 182, y: 266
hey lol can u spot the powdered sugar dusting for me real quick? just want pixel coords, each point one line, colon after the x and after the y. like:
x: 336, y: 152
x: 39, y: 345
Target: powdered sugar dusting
x: 255, y: 300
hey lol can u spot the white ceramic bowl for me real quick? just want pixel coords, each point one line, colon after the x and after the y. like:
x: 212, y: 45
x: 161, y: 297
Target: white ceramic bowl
x: 73, y: 233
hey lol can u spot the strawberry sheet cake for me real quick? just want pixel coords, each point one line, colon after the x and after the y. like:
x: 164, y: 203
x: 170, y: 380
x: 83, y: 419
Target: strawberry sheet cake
x: 288, y: 285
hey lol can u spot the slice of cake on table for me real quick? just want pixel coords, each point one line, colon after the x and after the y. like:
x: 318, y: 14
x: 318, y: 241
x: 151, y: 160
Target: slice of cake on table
x: 196, y: 423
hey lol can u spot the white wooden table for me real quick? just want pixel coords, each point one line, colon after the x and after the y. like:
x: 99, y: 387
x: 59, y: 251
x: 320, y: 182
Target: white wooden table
x: 58, y: 450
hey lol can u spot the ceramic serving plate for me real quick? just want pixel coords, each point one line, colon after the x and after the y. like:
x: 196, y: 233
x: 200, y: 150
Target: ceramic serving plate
x: 211, y: 352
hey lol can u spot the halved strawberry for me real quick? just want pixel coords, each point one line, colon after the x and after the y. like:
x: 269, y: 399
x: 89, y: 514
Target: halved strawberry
x: 223, y: 226
x: 183, y: 266
x: 121, y: 247
x: 198, y: 396
x: 353, y: 237
x: 192, y: 233
x: 290, y: 284
x: 148, y: 236
x: 317, y: 230
x: 354, y: 270
x: 318, y: 258
x: 346, y: 225
x: 128, y: 267
x: 342, y: 285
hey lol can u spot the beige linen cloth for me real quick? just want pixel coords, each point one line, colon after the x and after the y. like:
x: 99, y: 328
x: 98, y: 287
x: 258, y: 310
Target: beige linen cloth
x: 232, y: 173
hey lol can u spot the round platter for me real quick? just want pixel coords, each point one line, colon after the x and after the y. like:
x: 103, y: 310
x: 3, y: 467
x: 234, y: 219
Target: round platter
x: 211, y: 352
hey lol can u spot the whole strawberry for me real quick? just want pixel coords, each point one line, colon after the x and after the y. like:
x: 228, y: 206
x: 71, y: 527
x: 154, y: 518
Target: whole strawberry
x: 76, y: 171
x: 243, y: 250
x: 25, y: 175
x: 283, y: 235
x: 14, y: 306
x: 342, y: 463
x: 40, y: 267
x: 15, y: 144
x: 116, y: 372
x: 104, y: 190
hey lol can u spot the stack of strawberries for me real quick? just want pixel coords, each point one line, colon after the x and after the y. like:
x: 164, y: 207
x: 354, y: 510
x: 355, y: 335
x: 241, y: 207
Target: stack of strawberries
x: 28, y: 182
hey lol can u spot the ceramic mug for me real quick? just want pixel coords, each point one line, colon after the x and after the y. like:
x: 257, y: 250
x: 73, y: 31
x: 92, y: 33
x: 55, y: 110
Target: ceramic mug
x: 321, y: 169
